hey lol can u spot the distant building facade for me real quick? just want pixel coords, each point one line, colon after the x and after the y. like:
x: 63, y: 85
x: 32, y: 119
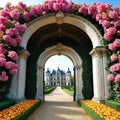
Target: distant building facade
x: 57, y: 77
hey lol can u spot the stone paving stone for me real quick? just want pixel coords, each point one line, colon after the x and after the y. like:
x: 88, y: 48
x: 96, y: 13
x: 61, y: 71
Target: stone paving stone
x: 59, y: 106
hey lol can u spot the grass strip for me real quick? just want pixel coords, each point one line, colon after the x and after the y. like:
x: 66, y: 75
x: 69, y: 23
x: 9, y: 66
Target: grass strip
x: 113, y: 104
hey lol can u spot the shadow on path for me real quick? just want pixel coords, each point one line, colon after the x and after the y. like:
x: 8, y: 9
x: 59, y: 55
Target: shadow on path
x: 59, y: 106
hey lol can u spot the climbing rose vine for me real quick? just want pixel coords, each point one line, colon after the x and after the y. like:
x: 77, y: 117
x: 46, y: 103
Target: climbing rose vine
x: 14, y: 19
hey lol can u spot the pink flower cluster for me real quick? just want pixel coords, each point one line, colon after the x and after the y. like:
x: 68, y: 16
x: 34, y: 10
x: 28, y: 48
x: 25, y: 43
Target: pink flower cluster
x: 116, y: 78
x: 115, y: 45
x: 115, y: 67
x: 10, y: 30
x: 57, y: 5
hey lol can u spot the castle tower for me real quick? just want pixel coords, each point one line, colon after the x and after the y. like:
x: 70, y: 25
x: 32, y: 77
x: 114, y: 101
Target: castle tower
x: 68, y: 77
x: 47, y: 77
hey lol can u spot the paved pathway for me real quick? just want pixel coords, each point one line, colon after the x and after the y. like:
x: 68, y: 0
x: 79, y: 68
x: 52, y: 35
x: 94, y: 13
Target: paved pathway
x: 59, y: 106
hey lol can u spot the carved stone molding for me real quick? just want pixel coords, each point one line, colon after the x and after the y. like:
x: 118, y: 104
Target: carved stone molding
x: 24, y: 53
x: 59, y: 48
x: 59, y: 17
x: 40, y: 67
x: 98, y: 51
x: 77, y: 66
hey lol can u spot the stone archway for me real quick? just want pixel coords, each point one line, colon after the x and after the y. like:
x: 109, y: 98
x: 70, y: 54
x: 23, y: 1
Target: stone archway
x: 98, y: 53
x: 60, y: 49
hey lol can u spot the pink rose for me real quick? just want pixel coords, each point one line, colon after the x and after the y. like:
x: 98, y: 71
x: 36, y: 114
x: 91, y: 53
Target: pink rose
x: 2, y: 26
x: 20, y: 27
x: 113, y: 14
x: 13, y: 71
x: 112, y: 47
x: 2, y: 50
x: 10, y: 65
x: 111, y: 77
x: 106, y: 23
x: 111, y: 31
x: 101, y: 7
x: 26, y: 16
x: 114, y: 57
x: 7, y: 37
x: 117, y: 78
x: 2, y: 55
x: 14, y: 14
x: 116, y: 23
x: 4, y: 20
x: 117, y: 66
x: 9, y: 32
x: 91, y: 9
x: 21, y: 5
x: 116, y: 43
x: 2, y: 61
x: 108, y: 37
x: 56, y: 6
x: 13, y: 55
x: 83, y: 10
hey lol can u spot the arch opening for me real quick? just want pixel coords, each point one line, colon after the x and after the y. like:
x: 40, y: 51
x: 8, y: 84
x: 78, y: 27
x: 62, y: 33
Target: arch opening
x: 58, y: 73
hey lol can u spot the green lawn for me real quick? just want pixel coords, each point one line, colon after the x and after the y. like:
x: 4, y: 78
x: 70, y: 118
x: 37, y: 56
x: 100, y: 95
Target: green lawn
x: 68, y: 89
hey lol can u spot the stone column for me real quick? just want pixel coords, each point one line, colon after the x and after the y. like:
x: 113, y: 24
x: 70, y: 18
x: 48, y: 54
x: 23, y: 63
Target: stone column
x: 107, y: 83
x: 78, y: 80
x: 98, y: 63
x: 17, y: 90
x: 40, y: 76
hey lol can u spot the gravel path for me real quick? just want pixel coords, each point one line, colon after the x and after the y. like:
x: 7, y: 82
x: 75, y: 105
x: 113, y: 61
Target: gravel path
x: 59, y: 106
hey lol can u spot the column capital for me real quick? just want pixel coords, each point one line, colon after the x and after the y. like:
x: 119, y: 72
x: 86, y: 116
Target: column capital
x: 24, y: 53
x: 98, y: 51
x: 77, y: 66
x: 40, y: 67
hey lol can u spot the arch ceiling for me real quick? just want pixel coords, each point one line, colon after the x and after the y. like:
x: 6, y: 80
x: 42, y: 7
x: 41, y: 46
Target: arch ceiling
x: 60, y: 33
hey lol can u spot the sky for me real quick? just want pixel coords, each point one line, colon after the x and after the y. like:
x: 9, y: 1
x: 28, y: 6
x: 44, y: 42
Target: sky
x: 59, y: 61
x: 33, y: 2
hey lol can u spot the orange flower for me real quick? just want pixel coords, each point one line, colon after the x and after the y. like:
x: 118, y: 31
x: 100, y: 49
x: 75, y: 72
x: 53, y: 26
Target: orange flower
x: 15, y: 110
x: 102, y: 110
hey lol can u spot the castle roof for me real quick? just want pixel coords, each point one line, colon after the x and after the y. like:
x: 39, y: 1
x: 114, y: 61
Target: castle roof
x: 68, y: 71
x: 48, y: 71
x: 58, y: 70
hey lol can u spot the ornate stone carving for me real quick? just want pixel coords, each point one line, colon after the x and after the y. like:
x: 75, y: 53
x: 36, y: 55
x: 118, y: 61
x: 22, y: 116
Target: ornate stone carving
x: 24, y: 53
x: 98, y: 51
x: 40, y: 67
x: 77, y: 66
x: 59, y: 17
x: 59, y: 48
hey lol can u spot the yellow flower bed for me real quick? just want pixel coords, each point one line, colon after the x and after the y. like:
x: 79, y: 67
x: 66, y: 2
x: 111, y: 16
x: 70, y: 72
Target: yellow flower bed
x: 15, y: 110
x: 103, y: 111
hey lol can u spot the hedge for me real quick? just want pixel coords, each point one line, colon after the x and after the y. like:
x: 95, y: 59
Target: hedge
x: 50, y: 89
x: 6, y: 104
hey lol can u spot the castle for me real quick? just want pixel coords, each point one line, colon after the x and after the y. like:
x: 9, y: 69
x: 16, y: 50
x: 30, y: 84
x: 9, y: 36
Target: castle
x: 57, y: 77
